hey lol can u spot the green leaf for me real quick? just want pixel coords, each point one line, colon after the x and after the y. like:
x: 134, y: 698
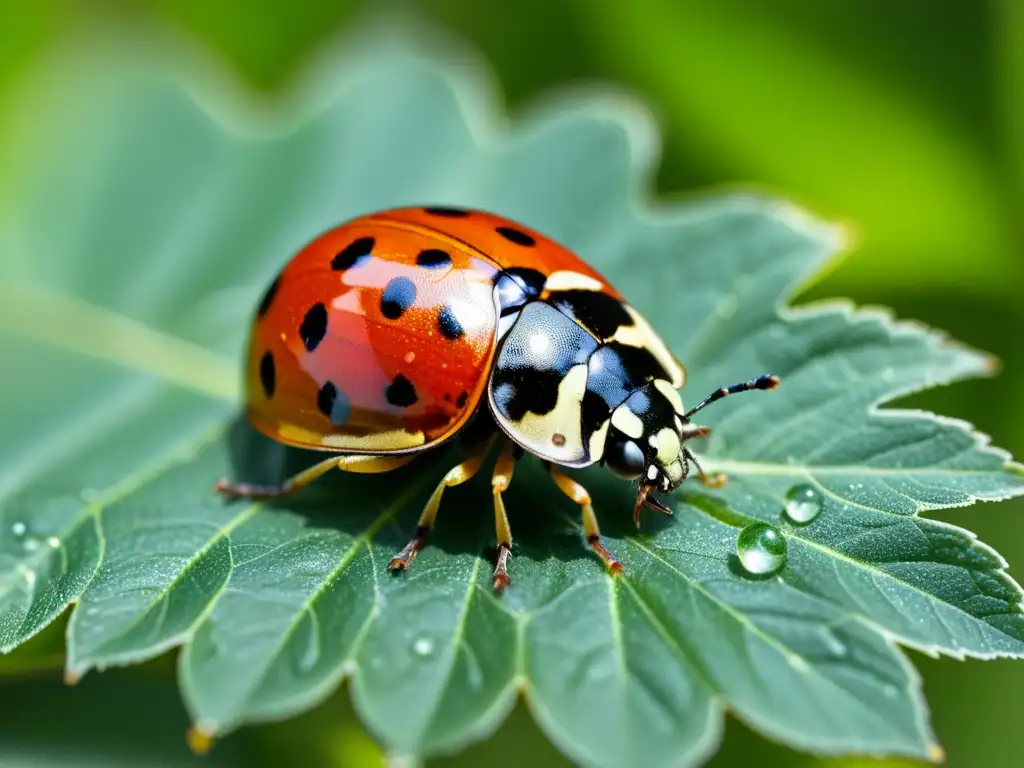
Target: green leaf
x: 133, y: 255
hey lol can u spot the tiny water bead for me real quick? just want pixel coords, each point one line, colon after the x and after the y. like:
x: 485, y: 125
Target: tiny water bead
x: 761, y: 549
x: 423, y: 646
x: 803, y: 503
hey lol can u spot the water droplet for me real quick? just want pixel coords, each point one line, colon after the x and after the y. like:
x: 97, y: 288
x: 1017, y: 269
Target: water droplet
x: 803, y: 503
x: 761, y: 549
x: 19, y: 529
x: 30, y: 545
x: 53, y: 541
x: 423, y: 646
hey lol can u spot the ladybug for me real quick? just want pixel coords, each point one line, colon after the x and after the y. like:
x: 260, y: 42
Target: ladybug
x: 393, y: 333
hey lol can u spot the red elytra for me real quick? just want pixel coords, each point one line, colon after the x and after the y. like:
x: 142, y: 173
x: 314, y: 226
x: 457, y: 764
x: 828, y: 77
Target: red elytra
x: 387, y: 323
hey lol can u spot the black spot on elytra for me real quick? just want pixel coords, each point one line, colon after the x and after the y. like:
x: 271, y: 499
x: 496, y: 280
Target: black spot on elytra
x: 598, y: 312
x: 461, y: 401
x: 449, y: 325
x: 268, y: 374
x: 433, y: 258
x: 268, y: 297
x: 354, y: 254
x: 516, y: 236
x: 325, y: 398
x: 398, y: 296
x: 314, y: 326
x: 400, y: 392
x: 333, y: 404
x: 452, y: 213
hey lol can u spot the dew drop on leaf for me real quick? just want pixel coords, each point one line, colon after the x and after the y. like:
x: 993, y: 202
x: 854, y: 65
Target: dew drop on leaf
x: 803, y: 503
x: 423, y: 646
x: 761, y: 549
x: 19, y: 529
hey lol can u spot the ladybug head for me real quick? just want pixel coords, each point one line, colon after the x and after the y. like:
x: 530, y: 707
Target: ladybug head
x: 647, y: 436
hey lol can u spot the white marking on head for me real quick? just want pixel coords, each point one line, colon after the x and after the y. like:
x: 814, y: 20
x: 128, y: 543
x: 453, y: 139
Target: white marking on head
x: 668, y: 445
x: 567, y: 280
x: 627, y: 422
x: 652, y: 472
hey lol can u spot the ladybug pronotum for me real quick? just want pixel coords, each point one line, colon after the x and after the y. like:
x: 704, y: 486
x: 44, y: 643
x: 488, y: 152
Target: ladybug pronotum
x: 393, y: 333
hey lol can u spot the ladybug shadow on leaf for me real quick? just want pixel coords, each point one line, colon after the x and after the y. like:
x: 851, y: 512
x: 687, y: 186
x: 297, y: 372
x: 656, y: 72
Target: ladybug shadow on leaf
x: 545, y: 524
x: 386, y: 505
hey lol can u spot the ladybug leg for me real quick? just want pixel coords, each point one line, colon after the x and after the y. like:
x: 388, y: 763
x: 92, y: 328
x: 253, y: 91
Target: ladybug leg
x: 457, y: 475
x: 500, y: 481
x: 362, y: 464
x: 715, y: 480
x: 579, y: 494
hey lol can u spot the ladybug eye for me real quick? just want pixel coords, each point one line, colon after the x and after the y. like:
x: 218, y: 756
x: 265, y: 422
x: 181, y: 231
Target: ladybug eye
x: 625, y: 459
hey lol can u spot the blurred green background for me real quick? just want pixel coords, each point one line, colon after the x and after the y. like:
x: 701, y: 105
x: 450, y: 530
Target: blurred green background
x: 903, y: 118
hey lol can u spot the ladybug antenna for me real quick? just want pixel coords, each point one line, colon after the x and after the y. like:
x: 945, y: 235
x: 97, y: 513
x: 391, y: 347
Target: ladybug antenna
x: 766, y: 382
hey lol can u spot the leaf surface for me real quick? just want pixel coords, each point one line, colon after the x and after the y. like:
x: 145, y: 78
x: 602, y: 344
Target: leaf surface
x: 133, y: 257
